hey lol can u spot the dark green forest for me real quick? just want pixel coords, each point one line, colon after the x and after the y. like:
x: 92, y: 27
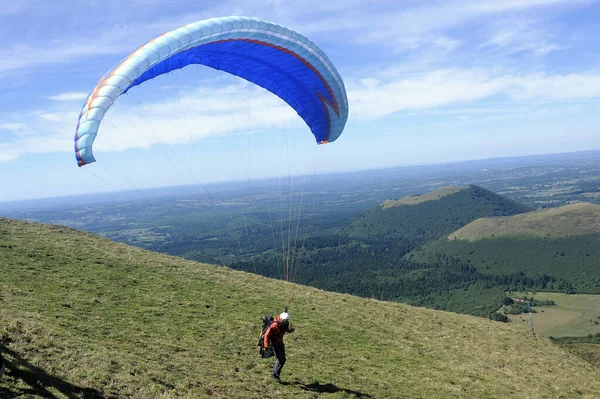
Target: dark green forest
x: 575, y: 258
x: 369, y: 257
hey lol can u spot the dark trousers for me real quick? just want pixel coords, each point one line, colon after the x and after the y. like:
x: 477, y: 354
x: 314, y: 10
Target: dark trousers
x: 279, y: 350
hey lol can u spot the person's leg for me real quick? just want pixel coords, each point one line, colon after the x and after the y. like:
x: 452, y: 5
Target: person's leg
x: 279, y: 350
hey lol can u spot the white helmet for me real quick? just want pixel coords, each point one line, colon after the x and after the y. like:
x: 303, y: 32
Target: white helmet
x: 284, y: 316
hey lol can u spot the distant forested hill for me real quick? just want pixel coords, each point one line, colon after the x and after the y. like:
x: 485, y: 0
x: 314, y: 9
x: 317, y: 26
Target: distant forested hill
x: 416, y: 220
x: 367, y: 257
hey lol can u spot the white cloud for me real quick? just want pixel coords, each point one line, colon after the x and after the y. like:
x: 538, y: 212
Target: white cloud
x: 195, y: 115
x: 387, y: 23
x: 434, y: 89
x: 119, y: 39
x: 11, y: 126
x: 421, y: 29
x: 558, y: 87
x: 102, y: 28
x: 23, y: 58
x: 513, y: 35
x: 54, y: 117
x: 70, y: 96
x: 392, y: 21
x: 445, y: 43
x: 135, y: 122
x: 453, y: 86
x: 512, y: 5
x: 8, y: 154
x: 201, y: 113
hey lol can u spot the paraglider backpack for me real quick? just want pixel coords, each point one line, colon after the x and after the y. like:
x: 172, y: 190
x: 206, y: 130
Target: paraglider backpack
x: 266, y: 323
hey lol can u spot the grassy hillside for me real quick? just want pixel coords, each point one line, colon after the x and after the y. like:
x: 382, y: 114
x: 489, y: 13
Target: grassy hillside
x: 417, y: 199
x: 431, y: 216
x: 81, y: 316
x: 563, y: 221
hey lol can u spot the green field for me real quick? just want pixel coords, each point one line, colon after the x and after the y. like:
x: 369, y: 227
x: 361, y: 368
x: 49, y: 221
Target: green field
x: 81, y: 316
x: 573, y: 315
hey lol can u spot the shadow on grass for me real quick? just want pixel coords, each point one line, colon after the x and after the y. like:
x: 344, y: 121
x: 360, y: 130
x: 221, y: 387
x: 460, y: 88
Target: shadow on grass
x: 326, y: 388
x: 17, y: 368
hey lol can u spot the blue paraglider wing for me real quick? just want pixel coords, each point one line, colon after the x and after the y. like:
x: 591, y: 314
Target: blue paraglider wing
x: 268, y: 55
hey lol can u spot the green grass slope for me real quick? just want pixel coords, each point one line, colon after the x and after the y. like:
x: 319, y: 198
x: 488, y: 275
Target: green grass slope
x: 81, y: 316
x: 563, y: 221
x: 431, y: 216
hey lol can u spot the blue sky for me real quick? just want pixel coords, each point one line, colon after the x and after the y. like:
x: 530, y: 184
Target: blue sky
x: 427, y: 82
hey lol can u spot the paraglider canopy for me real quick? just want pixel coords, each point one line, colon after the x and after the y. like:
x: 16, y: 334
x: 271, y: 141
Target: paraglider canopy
x: 266, y: 54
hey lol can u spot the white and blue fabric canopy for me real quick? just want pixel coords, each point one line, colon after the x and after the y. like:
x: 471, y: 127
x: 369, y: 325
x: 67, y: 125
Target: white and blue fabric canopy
x: 266, y: 54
